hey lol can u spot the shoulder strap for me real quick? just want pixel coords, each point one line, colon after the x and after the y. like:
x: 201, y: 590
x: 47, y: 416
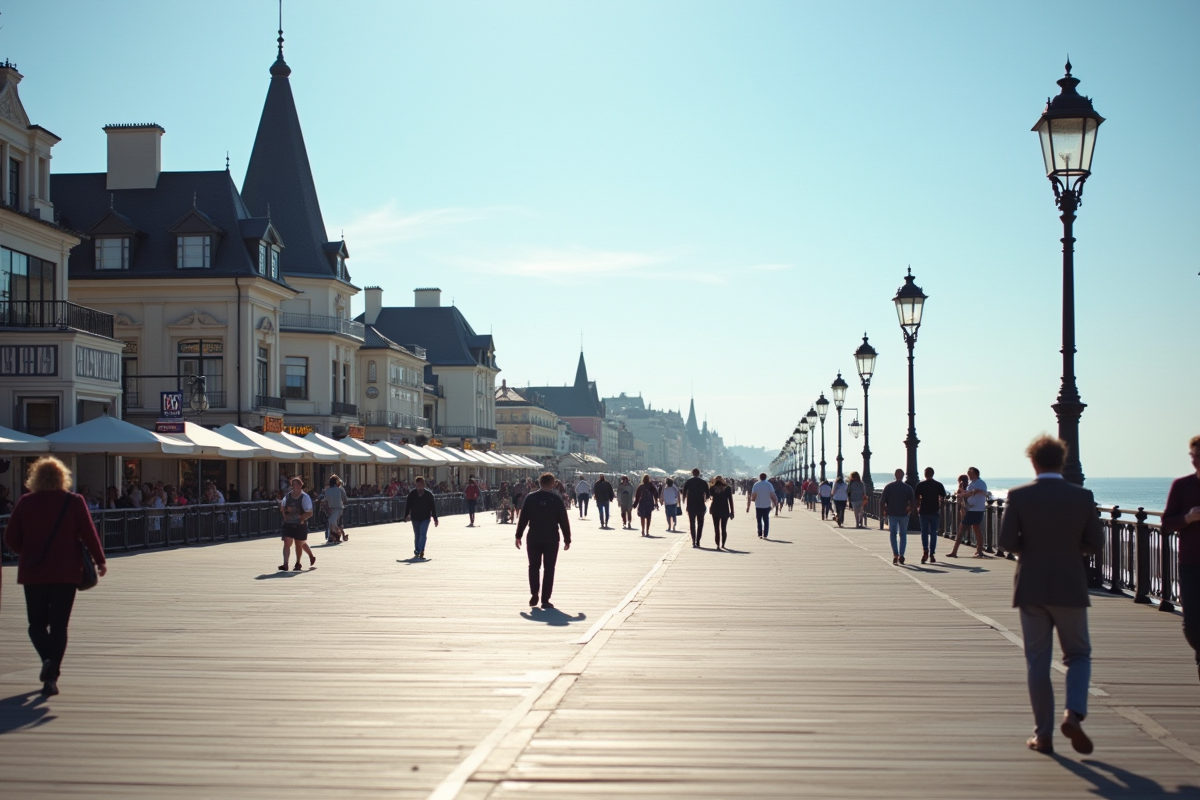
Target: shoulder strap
x: 54, y: 533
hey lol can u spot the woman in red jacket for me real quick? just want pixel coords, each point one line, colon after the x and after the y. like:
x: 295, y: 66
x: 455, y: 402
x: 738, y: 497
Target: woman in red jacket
x: 45, y: 530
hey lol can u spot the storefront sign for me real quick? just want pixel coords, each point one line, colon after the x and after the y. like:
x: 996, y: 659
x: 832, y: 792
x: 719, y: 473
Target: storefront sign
x: 356, y: 432
x: 436, y: 443
x: 273, y: 425
x: 299, y: 430
x: 466, y: 445
x: 171, y: 405
x: 170, y: 427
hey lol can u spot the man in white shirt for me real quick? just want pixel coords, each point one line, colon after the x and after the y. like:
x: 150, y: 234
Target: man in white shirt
x: 762, y: 494
x: 583, y: 493
x: 975, y: 497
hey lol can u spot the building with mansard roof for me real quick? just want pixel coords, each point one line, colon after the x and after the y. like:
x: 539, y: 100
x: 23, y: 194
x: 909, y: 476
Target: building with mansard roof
x: 579, y: 404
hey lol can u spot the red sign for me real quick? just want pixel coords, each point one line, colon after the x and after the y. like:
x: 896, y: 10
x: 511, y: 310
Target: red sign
x: 272, y: 424
x: 356, y: 432
x: 169, y: 427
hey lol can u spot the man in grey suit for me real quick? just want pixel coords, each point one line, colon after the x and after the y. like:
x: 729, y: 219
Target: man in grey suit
x: 1051, y: 525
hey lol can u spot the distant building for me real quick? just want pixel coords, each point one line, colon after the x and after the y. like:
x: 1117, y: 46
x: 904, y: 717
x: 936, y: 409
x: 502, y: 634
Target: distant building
x: 393, y: 378
x: 580, y: 405
x: 525, y: 426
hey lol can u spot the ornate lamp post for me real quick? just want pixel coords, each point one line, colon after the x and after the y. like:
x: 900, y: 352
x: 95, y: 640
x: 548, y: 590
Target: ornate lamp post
x: 910, y: 302
x: 864, y: 360
x: 839, y: 388
x: 822, y: 409
x: 812, y: 428
x: 803, y: 428
x: 1067, y: 129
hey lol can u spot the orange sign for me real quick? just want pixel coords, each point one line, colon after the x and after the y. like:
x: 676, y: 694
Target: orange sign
x: 356, y: 431
x: 466, y: 445
x: 299, y: 430
x: 272, y: 424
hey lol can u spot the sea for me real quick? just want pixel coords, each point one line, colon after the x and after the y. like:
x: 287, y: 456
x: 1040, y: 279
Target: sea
x: 1148, y: 493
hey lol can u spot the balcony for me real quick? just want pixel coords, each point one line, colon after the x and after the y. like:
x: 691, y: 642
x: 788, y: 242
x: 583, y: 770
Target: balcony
x: 266, y: 401
x: 394, y: 419
x: 317, y: 323
x: 343, y: 409
x: 416, y: 350
x: 132, y: 399
x: 466, y: 432
x: 55, y: 314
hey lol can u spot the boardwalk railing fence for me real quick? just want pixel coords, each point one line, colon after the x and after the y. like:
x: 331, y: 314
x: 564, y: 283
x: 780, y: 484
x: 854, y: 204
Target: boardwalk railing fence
x: 1139, y: 557
x: 133, y: 529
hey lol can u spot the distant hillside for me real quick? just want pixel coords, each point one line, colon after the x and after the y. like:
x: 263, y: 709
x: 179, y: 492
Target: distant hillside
x: 756, y: 458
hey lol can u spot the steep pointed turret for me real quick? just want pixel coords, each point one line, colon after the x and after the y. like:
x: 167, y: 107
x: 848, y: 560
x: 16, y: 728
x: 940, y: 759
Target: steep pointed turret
x: 279, y: 184
x: 581, y: 378
x: 693, y: 430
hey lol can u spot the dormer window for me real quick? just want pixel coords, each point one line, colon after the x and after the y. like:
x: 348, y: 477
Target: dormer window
x: 275, y: 263
x: 262, y: 258
x: 341, y: 268
x: 112, y: 252
x: 193, y: 252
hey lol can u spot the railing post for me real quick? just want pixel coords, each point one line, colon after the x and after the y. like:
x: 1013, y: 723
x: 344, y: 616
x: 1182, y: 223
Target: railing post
x: 1116, y: 583
x: 990, y: 529
x: 999, y: 522
x: 1166, y: 602
x: 1142, y: 558
x: 1094, y: 564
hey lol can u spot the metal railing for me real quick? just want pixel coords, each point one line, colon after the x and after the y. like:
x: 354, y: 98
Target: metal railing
x: 134, y: 529
x: 343, y: 409
x: 266, y: 401
x: 466, y: 431
x: 1138, y: 555
x: 55, y: 314
x: 393, y: 419
x: 320, y: 323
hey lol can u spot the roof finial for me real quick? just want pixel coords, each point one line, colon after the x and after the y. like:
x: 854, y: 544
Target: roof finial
x: 112, y: 199
x: 280, y: 40
x: 227, y: 161
x: 1068, y: 61
x: 280, y: 69
x: 193, y: 199
x: 268, y: 212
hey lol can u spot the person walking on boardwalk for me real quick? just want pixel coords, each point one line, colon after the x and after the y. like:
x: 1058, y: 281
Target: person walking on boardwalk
x: 898, y: 501
x: 695, y: 492
x: 583, y: 493
x: 857, y: 492
x: 722, y: 510
x: 1051, y: 525
x: 670, y: 500
x: 762, y: 495
x: 975, y: 496
x: 335, y: 504
x: 646, y: 501
x: 46, y: 528
x: 930, y: 495
x: 603, y: 494
x: 471, y: 495
x: 825, y: 490
x: 544, y: 513
x: 840, y: 496
x: 790, y: 488
x: 625, y: 494
x: 420, y: 507
x: 296, y: 507
x: 1182, y: 514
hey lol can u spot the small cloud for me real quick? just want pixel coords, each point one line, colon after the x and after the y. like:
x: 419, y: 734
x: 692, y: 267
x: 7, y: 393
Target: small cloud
x: 373, y: 234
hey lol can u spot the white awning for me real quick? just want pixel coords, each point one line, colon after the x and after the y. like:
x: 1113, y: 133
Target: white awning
x: 467, y: 455
x: 436, y: 455
x: 345, y: 451
x: 402, y: 455
x: 16, y: 442
x: 116, y: 437
x: 313, y: 450
x: 211, y: 443
x: 377, y: 454
x: 271, y: 448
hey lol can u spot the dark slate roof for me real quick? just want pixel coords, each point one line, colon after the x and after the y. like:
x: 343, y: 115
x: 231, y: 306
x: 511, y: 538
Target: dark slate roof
x: 579, y: 400
x: 374, y: 340
x: 85, y: 204
x: 279, y: 177
x: 447, y: 337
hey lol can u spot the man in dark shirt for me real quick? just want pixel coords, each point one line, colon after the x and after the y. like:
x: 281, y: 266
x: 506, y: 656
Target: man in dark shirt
x: 930, y: 494
x: 695, y: 492
x: 898, y: 500
x: 1183, y: 514
x: 603, y: 494
x: 420, y: 508
x: 544, y: 513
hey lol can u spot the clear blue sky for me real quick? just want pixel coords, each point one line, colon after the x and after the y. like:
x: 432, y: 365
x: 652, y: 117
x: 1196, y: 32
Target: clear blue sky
x: 718, y: 195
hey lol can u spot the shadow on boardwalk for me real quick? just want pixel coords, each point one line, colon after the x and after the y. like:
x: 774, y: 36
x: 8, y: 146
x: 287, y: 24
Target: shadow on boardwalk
x: 23, y: 711
x: 1123, y: 783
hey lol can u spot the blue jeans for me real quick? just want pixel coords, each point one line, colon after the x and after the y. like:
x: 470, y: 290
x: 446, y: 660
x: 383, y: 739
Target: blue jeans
x: 898, y: 525
x: 602, y: 508
x: 929, y: 532
x: 763, y: 515
x: 1037, y: 625
x: 420, y: 529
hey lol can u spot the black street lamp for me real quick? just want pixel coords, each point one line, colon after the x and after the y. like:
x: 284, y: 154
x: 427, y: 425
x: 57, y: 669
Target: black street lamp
x: 839, y: 388
x: 822, y: 409
x: 812, y: 427
x: 864, y: 360
x: 197, y: 396
x: 910, y: 302
x: 803, y: 428
x: 1067, y: 129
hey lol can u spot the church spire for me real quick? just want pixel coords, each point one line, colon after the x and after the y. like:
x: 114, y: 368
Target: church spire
x: 692, y: 428
x: 581, y: 378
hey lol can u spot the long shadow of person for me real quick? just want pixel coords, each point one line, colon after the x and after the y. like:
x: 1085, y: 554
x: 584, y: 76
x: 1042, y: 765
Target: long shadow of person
x: 23, y: 711
x: 777, y: 541
x: 1123, y: 783
x: 552, y: 616
x: 266, y: 576
x: 735, y: 552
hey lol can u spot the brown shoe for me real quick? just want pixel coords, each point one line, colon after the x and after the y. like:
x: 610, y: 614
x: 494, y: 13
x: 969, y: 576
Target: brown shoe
x: 1040, y: 745
x: 1074, y: 731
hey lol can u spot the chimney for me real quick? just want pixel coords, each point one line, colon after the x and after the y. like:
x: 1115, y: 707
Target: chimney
x: 428, y: 298
x: 374, y: 296
x: 134, y: 156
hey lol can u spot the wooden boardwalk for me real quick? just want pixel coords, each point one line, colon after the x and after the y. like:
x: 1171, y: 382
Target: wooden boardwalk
x: 802, y: 666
